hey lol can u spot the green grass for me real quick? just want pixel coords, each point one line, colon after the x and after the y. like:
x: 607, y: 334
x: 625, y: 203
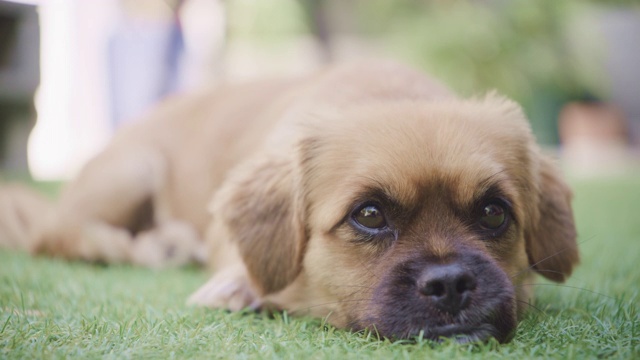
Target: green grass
x: 55, y: 309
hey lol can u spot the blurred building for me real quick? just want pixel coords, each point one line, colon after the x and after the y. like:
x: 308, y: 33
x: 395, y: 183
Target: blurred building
x: 19, y: 79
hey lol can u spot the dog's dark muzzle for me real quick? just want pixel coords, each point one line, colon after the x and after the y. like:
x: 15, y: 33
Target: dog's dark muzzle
x: 468, y: 297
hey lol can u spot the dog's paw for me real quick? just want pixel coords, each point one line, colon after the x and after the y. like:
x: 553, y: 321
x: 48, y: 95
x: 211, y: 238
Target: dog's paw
x: 168, y: 245
x: 228, y: 289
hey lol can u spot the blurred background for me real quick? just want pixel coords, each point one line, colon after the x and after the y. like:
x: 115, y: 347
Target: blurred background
x: 73, y: 71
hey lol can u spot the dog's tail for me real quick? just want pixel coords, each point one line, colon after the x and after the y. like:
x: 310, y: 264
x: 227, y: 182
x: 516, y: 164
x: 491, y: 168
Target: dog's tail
x: 21, y: 210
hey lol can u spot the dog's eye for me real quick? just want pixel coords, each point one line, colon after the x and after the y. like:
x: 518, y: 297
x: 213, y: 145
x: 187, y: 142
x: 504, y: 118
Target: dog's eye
x: 493, y: 216
x: 370, y: 216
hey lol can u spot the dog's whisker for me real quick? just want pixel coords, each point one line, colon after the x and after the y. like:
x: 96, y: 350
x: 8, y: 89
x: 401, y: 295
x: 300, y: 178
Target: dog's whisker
x: 532, y: 306
x: 540, y: 271
x: 329, y: 303
x: 371, y: 272
x: 567, y: 286
x: 358, y: 289
x: 532, y: 266
x: 352, y: 286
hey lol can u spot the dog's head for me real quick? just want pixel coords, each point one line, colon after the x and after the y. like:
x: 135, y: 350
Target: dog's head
x: 406, y: 218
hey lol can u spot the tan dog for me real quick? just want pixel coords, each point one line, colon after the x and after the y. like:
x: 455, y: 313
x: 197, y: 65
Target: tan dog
x: 367, y: 194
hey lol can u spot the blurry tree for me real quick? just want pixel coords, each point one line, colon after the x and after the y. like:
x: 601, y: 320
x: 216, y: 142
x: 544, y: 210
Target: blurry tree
x: 541, y: 53
x: 528, y: 50
x: 267, y: 21
x: 320, y: 26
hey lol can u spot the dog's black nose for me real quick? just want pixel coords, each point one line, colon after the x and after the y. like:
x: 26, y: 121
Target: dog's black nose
x: 448, y: 286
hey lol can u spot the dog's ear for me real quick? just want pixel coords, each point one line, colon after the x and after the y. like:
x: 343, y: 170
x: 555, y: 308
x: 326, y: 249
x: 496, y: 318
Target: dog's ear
x: 551, y: 238
x: 260, y: 208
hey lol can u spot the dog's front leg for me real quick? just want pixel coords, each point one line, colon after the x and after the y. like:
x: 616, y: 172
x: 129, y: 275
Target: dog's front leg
x: 100, y: 213
x: 170, y: 243
x: 229, y: 289
x: 230, y: 286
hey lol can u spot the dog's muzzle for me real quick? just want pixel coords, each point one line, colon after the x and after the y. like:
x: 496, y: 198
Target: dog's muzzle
x: 468, y: 297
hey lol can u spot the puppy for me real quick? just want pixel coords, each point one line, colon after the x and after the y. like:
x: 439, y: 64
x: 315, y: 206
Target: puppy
x: 367, y: 194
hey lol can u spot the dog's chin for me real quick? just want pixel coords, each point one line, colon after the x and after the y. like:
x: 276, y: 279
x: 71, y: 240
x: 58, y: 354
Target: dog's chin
x: 500, y: 328
x: 462, y: 333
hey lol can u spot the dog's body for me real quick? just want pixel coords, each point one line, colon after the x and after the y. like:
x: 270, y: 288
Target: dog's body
x: 144, y: 199
x: 367, y: 194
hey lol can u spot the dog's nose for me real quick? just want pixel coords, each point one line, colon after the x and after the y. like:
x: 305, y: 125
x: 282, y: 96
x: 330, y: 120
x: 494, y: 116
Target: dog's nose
x: 448, y: 286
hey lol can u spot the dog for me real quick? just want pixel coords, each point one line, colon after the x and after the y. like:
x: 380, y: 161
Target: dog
x: 367, y: 194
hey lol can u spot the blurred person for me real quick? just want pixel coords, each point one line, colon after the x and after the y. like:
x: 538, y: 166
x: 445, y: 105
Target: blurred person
x: 143, y: 54
x: 105, y: 62
x: 159, y: 48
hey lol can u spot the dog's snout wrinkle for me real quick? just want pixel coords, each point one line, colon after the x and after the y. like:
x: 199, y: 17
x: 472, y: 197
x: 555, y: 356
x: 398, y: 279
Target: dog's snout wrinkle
x: 447, y: 286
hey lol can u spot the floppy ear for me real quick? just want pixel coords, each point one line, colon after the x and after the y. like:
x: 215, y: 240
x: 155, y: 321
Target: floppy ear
x: 551, y: 240
x: 261, y: 211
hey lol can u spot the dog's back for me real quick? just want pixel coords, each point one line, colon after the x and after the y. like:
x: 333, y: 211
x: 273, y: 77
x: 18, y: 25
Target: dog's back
x: 157, y: 176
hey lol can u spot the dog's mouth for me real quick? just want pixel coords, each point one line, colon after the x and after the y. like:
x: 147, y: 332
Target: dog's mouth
x: 461, y: 333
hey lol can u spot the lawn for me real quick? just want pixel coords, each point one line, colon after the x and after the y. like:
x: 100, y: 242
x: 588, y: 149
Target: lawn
x: 54, y: 309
